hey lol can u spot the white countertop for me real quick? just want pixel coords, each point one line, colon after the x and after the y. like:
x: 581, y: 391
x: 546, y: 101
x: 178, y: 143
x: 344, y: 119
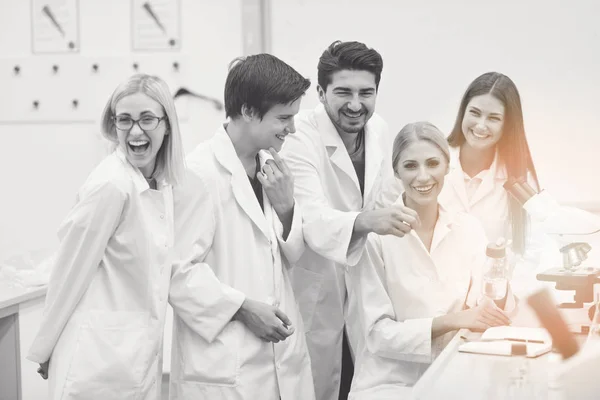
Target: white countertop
x: 11, y: 294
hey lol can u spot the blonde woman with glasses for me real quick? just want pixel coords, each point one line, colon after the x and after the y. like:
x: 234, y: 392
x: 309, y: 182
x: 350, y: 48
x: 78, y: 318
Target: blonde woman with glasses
x: 101, y: 333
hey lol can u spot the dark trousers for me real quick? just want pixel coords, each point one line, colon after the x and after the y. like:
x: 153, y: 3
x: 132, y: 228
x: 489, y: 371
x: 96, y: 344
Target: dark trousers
x: 347, y: 369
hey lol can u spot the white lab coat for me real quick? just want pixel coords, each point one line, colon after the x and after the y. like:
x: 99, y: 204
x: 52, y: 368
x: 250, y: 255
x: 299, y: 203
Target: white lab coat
x: 399, y: 288
x: 490, y: 205
x: 223, y: 222
x: 327, y: 188
x: 103, y: 321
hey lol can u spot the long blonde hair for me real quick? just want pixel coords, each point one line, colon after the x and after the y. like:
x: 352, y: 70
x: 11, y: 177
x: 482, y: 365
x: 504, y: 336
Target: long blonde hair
x: 170, y: 162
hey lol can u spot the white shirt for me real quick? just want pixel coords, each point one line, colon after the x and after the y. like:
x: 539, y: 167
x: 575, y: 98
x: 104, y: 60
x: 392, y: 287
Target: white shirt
x: 400, y: 287
x: 472, y: 184
x: 104, y: 315
x: 482, y: 196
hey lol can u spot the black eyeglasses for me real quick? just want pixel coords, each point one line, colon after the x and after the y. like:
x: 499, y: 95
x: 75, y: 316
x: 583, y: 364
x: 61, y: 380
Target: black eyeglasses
x: 146, y: 123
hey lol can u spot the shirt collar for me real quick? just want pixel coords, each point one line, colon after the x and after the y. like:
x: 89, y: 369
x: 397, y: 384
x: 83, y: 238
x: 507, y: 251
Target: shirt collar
x: 495, y: 169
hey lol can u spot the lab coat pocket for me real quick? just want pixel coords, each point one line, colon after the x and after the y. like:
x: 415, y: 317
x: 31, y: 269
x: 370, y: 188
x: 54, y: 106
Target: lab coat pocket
x: 217, y: 362
x: 307, y: 287
x: 111, y: 356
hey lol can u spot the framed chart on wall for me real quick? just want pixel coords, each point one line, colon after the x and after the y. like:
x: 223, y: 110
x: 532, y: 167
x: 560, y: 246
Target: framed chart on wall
x: 156, y: 25
x: 55, y: 26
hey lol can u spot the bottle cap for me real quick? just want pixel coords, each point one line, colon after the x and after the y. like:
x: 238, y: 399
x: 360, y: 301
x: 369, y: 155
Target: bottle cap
x: 496, y: 250
x: 518, y: 349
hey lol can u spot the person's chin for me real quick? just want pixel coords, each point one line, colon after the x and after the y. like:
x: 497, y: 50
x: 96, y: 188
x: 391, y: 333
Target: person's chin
x: 277, y: 146
x: 353, y: 128
x: 424, y: 199
x: 479, y: 143
x: 138, y: 161
x: 142, y: 161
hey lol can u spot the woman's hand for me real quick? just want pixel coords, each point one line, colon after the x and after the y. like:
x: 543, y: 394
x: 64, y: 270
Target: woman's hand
x: 43, y: 369
x: 485, y: 315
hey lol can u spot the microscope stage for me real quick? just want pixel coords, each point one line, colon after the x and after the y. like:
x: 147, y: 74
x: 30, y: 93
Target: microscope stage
x: 580, y: 280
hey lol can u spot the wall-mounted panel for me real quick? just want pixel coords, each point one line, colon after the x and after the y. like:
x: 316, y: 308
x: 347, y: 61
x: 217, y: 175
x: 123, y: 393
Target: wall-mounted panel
x: 64, y: 90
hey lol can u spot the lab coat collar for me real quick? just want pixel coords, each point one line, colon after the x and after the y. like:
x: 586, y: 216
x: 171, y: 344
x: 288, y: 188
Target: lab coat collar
x: 335, y: 146
x: 456, y: 179
x: 242, y: 190
x: 497, y: 171
x: 136, y: 175
x: 373, y: 157
x: 442, y: 228
x: 339, y: 154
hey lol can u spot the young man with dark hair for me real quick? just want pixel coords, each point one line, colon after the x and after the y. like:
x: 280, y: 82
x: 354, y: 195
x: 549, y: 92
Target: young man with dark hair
x: 239, y: 216
x: 340, y: 158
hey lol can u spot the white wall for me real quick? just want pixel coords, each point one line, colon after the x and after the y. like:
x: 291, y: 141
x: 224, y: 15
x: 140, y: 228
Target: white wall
x: 43, y: 165
x: 432, y: 50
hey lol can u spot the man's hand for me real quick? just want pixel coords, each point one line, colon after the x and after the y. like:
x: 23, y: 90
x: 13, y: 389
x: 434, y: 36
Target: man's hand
x: 485, y: 315
x: 43, y: 369
x: 266, y: 321
x: 395, y: 220
x: 278, y: 182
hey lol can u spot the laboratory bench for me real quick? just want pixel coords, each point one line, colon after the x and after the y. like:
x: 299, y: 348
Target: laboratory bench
x: 20, y: 315
x: 458, y: 375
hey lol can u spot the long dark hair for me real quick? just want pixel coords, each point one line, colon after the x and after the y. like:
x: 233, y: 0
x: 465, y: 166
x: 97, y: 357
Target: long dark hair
x: 513, y: 150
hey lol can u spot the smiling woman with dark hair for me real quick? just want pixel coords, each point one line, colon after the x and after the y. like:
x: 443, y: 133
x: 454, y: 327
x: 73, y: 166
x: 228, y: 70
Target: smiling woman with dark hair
x: 489, y: 136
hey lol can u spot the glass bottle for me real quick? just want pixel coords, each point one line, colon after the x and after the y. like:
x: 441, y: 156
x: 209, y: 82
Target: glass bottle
x: 495, y: 271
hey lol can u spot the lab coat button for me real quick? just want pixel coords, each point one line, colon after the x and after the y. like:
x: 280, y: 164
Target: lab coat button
x: 162, y: 216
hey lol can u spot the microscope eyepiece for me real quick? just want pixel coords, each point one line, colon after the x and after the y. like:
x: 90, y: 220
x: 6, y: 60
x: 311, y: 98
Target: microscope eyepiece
x: 519, y: 189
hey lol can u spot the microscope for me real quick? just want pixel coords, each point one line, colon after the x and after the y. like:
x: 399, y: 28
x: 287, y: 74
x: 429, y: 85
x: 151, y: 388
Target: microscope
x: 568, y: 226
